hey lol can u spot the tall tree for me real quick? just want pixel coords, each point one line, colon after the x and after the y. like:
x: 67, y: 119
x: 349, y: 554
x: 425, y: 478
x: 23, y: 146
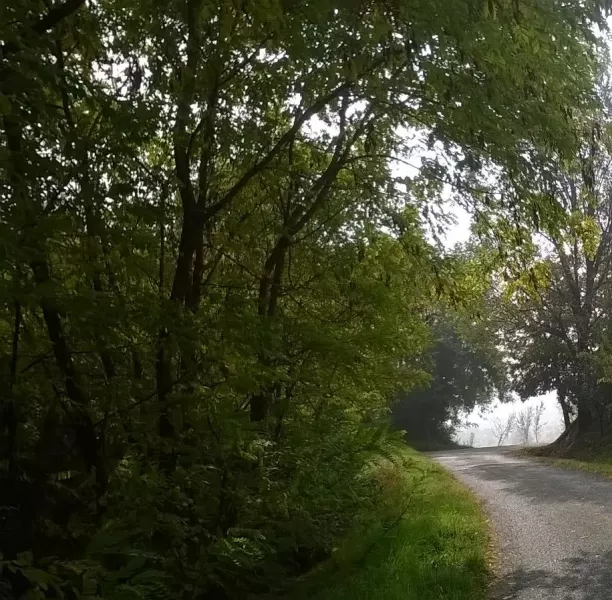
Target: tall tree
x: 556, y: 315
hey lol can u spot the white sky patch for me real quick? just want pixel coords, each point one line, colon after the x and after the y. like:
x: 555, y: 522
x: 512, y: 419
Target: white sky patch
x: 480, y: 420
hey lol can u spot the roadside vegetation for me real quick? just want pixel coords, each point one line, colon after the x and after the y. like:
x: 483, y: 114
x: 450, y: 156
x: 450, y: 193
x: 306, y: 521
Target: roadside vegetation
x: 598, y: 460
x: 435, y: 550
x: 224, y: 263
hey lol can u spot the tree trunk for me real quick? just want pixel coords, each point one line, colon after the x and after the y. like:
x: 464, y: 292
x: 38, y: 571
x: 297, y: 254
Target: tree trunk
x: 86, y: 438
x: 585, y: 419
x: 191, y: 232
x: 565, y: 409
x: 270, y: 287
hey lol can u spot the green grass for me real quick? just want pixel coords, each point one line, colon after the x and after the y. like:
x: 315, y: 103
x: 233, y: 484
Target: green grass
x: 597, y: 462
x: 438, y: 550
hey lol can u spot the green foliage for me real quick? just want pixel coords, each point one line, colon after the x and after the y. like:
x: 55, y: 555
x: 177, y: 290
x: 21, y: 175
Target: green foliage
x: 465, y: 364
x: 435, y: 550
x: 554, y: 317
x: 466, y: 372
x: 212, y: 278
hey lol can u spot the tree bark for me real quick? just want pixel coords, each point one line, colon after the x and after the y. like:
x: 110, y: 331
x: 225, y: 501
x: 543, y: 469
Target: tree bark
x: 270, y: 287
x: 565, y: 410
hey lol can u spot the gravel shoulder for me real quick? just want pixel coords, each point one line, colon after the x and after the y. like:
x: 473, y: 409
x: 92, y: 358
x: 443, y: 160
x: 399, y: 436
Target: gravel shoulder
x: 553, y: 527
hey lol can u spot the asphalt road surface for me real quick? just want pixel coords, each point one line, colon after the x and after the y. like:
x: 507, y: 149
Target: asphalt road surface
x: 553, y: 527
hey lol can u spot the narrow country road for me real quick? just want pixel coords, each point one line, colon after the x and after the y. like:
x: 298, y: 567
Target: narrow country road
x: 553, y: 527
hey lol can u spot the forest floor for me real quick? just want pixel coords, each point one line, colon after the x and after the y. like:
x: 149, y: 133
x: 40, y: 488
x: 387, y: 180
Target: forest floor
x: 437, y: 550
x: 553, y: 526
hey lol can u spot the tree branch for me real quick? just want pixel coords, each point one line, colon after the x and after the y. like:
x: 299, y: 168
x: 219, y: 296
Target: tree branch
x: 47, y: 22
x: 57, y: 14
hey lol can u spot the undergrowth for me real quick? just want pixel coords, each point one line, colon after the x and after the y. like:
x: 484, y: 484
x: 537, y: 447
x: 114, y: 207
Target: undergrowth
x: 436, y: 547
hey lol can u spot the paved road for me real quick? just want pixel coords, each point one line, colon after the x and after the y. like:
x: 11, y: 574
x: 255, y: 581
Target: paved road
x: 553, y: 527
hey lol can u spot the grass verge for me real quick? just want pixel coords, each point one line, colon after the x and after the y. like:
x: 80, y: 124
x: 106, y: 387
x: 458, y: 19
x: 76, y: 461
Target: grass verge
x: 596, y: 462
x: 436, y: 550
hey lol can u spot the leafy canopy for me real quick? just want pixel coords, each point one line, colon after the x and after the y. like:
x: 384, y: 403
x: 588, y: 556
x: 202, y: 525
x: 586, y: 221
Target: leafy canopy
x: 212, y: 277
